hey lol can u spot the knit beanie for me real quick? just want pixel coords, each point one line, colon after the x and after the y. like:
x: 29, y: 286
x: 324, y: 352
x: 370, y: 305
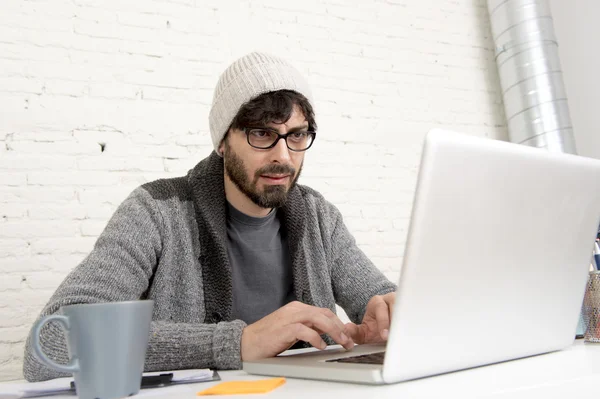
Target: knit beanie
x: 246, y: 79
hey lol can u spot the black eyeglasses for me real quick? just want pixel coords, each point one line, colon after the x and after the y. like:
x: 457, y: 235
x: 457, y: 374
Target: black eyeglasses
x: 263, y: 139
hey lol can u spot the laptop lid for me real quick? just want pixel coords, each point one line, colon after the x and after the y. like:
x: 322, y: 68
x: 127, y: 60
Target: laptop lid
x: 497, y: 256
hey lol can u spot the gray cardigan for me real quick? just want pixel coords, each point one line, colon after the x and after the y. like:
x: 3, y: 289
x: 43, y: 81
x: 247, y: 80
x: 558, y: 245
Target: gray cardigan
x: 167, y: 242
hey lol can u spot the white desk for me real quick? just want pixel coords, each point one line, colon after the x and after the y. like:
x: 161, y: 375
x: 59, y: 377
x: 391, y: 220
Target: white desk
x: 565, y: 374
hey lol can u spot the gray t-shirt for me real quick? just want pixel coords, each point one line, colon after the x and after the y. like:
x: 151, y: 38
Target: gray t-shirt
x: 261, y: 267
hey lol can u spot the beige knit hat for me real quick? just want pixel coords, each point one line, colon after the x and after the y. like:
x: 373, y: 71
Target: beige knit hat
x: 245, y: 79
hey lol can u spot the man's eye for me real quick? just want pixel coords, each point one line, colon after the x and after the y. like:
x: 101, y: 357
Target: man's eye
x: 260, y: 133
x: 298, y: 136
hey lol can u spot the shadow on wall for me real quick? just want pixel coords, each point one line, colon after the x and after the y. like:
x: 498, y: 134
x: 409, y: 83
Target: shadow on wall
x: 484, y: 37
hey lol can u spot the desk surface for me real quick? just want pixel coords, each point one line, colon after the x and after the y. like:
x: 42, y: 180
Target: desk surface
x: 554, y: 375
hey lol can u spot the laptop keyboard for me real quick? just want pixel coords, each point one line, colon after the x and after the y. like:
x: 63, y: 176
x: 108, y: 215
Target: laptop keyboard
x: 372, y: 358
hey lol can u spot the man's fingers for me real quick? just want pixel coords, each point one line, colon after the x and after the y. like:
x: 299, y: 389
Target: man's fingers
x: 332, y: 316
x: 323, y: 321
x: 325, y: 311
x: 307, y: 334
x: 382, y: 316
x: 356, y: 332
x: 316, y: 320
x: 390, y: 299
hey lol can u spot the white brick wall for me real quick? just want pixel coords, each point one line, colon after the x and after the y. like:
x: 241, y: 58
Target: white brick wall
x: 136, y: 79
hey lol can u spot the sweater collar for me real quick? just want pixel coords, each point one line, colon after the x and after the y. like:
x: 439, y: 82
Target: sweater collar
x: 208, y: 192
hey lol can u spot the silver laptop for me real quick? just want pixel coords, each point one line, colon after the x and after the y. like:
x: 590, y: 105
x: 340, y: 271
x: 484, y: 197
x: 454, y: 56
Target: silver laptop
x: 495, y: 266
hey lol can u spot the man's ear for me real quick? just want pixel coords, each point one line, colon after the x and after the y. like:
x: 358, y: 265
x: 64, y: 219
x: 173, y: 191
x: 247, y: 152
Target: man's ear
x: 222, y: 144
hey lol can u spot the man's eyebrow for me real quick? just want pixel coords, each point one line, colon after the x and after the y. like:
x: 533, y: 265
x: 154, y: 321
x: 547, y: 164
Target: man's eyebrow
x: 298, y: 128
x: 292, y: 130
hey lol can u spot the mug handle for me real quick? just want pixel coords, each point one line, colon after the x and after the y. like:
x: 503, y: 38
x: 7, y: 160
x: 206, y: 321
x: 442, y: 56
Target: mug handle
x: 72, y: 367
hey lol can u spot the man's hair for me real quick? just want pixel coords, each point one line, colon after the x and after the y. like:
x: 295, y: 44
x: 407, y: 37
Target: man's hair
x: 274, y: 106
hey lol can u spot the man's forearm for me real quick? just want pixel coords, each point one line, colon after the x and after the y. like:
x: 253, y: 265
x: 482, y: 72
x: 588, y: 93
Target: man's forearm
x: 171, y: 346
x: 175, y: 346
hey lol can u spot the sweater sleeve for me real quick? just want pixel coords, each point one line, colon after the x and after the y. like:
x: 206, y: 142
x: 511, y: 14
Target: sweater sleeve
x: 120, y: 268
x: 354, y: 277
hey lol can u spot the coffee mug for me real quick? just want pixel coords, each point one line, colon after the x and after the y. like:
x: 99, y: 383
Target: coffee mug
x: 107, y: 346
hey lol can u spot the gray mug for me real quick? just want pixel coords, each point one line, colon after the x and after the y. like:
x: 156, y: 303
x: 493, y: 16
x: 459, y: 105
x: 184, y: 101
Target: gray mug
x: 107, y: 346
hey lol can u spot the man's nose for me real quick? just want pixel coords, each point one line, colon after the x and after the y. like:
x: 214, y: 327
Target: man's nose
x: 280, y: 153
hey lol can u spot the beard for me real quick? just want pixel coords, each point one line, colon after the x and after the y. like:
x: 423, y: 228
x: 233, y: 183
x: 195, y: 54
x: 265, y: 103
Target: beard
x: 271, y: 196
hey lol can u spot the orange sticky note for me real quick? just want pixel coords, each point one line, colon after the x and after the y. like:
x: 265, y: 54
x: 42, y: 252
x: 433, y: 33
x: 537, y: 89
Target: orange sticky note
x: 243, y: 387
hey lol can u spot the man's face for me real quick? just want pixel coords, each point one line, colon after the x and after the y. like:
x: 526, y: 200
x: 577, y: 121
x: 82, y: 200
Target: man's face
x: 264, y: 176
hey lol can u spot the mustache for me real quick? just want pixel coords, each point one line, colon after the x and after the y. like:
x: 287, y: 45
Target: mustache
x: 278, y: 169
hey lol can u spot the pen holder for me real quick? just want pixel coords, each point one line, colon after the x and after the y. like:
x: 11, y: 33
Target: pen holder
x: 591, y: 308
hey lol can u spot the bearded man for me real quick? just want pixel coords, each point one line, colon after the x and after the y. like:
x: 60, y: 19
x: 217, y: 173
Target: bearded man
x: 241, y: 262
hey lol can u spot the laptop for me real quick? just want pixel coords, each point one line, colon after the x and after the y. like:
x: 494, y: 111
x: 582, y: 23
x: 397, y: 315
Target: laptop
x: 495, y: 265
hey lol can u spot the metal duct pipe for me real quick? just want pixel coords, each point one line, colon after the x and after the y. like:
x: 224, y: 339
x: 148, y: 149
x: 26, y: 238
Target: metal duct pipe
x: 534, y: 95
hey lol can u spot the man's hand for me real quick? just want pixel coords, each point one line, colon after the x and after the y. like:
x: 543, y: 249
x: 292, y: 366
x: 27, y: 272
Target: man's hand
x: 375, y: 326
x: 295, y: 321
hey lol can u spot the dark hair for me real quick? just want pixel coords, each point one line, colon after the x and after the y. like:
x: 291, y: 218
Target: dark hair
x: 274, y: 106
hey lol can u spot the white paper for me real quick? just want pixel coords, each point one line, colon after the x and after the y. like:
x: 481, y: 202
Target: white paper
x: 30, y: 389
x: 187, y: 375
x: 62, y: 386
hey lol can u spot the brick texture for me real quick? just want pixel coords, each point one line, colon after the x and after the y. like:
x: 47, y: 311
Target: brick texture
x: 99, y: 96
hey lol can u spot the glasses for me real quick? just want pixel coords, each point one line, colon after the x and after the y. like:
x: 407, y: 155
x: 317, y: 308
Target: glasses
x: 263, y: 138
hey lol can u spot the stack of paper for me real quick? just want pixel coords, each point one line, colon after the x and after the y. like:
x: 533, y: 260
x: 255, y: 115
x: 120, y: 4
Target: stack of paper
x: 189, y: 376
x: 59, y: 386
x: 62, y: 386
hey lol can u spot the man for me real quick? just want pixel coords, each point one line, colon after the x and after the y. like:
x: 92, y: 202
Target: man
x: 240, y: 261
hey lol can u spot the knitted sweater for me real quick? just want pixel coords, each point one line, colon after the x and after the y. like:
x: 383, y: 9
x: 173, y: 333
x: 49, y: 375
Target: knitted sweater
x: 167, y: 242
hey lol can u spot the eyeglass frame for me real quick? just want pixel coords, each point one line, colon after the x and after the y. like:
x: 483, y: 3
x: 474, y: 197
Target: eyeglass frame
x: 279, y: 137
